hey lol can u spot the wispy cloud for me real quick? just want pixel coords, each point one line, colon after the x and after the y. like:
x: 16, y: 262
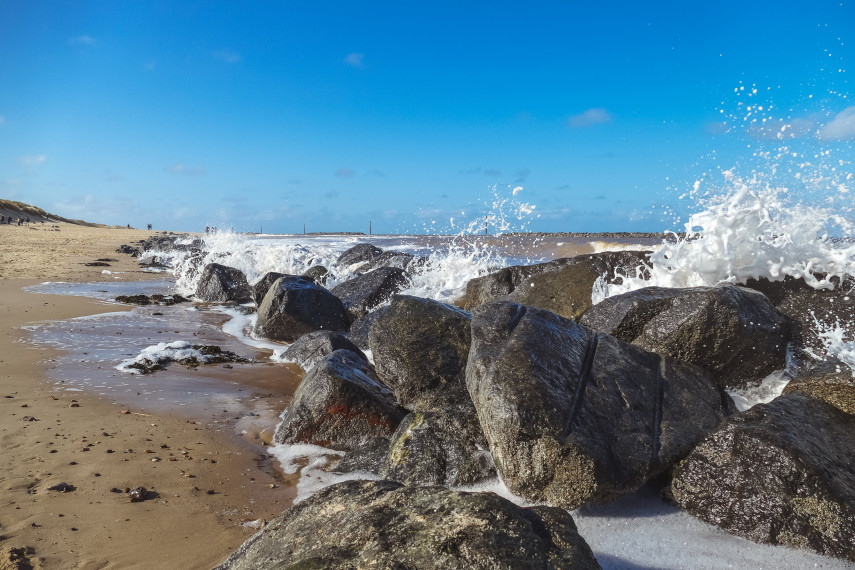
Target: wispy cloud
x: 32, y: 159
x: 589, y: 118
x: 83, y: 40
x: 181, y: 168
x: 494, y: 172
x: 345, y: 173
x: 2, y: 119
x: 841, y: 126
x: 377, y: 173
x: 354, y: 59
x: 227, y: 56
x: 521, y: 175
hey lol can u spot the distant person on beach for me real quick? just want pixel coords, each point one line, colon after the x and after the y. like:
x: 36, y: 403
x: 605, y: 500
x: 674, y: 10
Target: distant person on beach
x: 149, y: 227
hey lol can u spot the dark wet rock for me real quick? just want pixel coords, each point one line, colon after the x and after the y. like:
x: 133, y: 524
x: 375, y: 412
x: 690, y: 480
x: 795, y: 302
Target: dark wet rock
x: 156, y: 299
x: 445, y: 448
x: 138, y: 494
x: 129, y: 250
x: 779, y: 473
x: 340, y: 404
x: 734, y: 332
x: 396, y: 259
x: 361, y: 328
x: 62, y: 487
x: 365, y: 292
x: 368, y: 524
x: 202, y: 354
x: 260, y: 289
x: 167, y: 243
x: 220, y: 283
x: 294, y: 306
x: 829, y: 380
x: 420, y: 348
x: 366, y: 458
x: 358, y: 254
x: 97, y: 264
x: 802, y: 303
x: 310, y: 348
x: 562, y: 286
x: 318, y: 274
x: 572, y: 416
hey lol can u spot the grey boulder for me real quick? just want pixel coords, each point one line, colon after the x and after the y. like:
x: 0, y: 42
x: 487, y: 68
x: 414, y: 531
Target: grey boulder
x: 219, y: 284
x: 294, y: 306
x: 381, y: 524
x: 734, y: 332
x: 779, y: 473
x: 367, y: 291
x: 339, y: 404
x: 572, y: 416
x: 314, y: 346
x: 420, y: 348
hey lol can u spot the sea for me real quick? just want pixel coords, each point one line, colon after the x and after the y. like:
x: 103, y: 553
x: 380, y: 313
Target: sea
x: 785, y: 210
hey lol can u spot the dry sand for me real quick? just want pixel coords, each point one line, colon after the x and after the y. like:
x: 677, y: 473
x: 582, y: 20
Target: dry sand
x: 206, y: 482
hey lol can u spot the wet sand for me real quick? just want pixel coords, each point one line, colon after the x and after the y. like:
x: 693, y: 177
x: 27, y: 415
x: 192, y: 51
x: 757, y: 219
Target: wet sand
x: 205, y: 481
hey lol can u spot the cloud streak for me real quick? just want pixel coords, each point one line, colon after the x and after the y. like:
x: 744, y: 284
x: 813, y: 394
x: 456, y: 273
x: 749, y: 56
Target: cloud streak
x: 186, y: 170
x: 345, y: 173
x: 354, y: 59
x: 842, y: 126
x: 82, y: 40
x: 589, y: 118
x: 227, y: 56
x: 32, y: 159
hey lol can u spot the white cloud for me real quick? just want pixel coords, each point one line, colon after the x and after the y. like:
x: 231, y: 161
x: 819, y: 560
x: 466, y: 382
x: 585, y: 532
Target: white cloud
x: 32, y: 159
x: 345, y: 173
x: 354, y: 59
x: 2, y: 119
x: 841, y: 127
x: 589, y: 118
x: 181, y: 168
x: 227, y: 56
x: 83, y: 40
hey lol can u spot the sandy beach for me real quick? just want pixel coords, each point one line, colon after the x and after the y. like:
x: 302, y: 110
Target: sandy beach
x: 205, y: 481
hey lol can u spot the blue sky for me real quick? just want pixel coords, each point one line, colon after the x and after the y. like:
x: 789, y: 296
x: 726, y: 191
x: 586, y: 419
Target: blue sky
x: 274, y: 115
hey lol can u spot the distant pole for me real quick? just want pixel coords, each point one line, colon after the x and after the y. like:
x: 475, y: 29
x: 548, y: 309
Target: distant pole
x: 304, y: 229
x: 369, y: 227
x: 261, y: 229
x: 485, y: 225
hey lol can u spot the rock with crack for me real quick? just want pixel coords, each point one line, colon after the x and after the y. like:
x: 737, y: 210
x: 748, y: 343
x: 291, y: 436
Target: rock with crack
x: 314, y: 346
x: 369, y: 290
x: 572, y: 416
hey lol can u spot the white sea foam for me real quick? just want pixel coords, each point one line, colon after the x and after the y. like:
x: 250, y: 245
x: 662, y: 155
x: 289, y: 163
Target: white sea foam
x: 162, y: 353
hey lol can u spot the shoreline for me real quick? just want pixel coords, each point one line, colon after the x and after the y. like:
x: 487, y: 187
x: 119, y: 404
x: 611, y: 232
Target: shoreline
x: 204, y: 481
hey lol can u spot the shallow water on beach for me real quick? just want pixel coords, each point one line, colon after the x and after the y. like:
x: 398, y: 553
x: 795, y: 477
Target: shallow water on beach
x: 249, y: 397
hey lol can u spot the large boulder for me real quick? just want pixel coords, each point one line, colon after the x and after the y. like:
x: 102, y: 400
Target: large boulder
x: 358, y: 254
x: 398, y: 259
x: 563, y: 286
x: 779, y: 473
x: 360, y: 329
x: 365, y: 292
x: 445, y: 448
x: 734, y: 332
x: 340, y: 404
x: 294, y: 306
x: 317, y: 273
x: 313, y: 347
x: 830, y: 380
x: 805, y: 305
x: 219, y: 284
x: 381, y: 524
x: 573, y: 416
x: 420, y: 348
x: 260, y: 289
